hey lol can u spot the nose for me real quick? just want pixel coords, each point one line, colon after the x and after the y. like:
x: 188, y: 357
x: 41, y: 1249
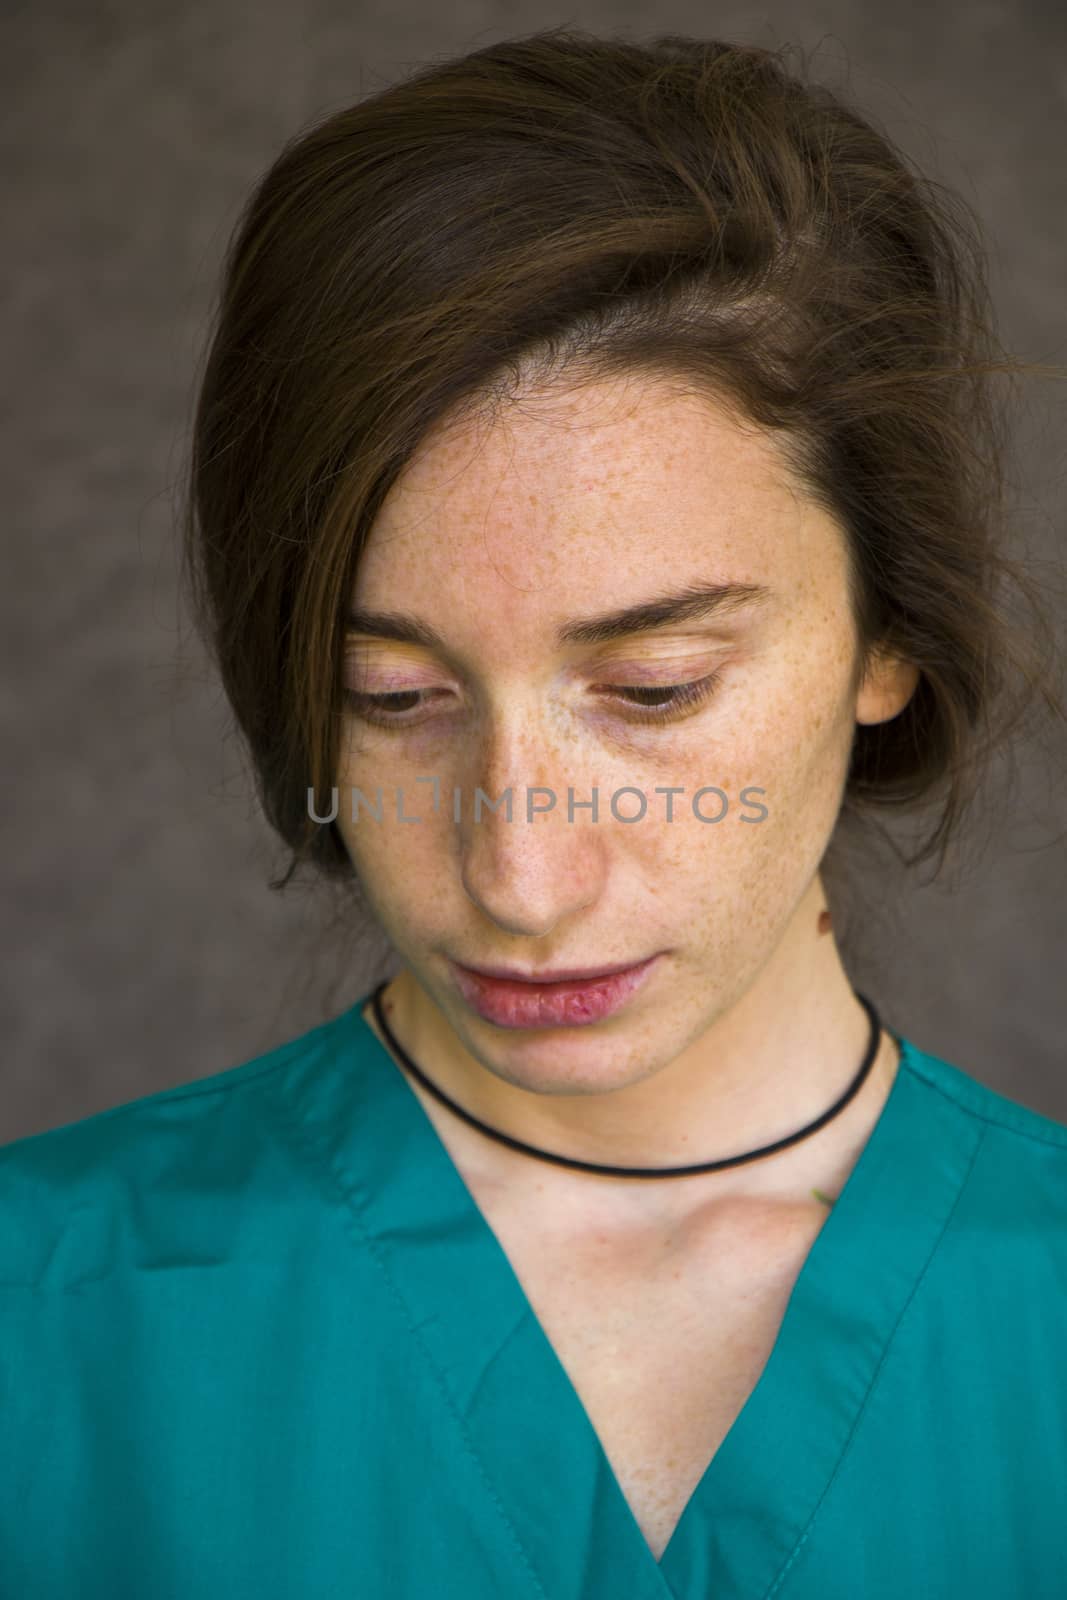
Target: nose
x: 530, y: 876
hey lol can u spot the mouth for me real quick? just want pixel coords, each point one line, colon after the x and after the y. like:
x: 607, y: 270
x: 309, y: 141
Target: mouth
x: 566, y: 997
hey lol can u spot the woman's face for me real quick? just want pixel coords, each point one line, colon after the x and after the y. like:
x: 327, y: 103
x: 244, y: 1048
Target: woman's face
x: 576, y: 506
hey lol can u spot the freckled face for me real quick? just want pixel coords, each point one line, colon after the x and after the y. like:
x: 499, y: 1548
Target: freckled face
x: 577, y: 504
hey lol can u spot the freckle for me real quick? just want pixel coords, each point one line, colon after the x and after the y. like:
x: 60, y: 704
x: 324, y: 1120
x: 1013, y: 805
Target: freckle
x: 824, y: 921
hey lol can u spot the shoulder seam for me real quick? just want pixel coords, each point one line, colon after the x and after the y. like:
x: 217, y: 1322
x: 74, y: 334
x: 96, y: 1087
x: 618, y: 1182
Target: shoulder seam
x: 981, y: 1116
x: 242, y: 1073
x: 228, y: 1080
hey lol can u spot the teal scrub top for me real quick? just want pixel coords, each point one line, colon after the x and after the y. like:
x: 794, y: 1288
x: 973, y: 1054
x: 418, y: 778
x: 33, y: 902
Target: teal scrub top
x: 258, y: 1342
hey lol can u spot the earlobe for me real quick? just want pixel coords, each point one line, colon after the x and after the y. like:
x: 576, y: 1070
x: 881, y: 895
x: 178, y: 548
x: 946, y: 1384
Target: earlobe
x: 887, y: 686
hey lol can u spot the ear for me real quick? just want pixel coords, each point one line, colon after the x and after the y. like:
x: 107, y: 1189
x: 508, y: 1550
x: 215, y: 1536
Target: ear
x: 886, y: 687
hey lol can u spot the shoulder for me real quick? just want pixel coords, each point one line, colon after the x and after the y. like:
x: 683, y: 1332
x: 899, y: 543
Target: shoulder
x: 73, y: 1198
x: 1016, y: 1187
x: 1020, y: 1124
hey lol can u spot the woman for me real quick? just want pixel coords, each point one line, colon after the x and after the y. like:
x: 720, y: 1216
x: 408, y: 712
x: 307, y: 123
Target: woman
x: 593, y: 506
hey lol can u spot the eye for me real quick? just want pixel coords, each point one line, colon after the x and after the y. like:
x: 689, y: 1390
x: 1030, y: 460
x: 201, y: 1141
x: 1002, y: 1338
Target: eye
x: 648, y: 703
x: 681, y: 698
x: 386, y: 710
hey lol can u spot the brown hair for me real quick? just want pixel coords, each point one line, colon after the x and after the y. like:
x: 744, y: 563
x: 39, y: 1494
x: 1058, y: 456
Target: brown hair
x: 563, y: 205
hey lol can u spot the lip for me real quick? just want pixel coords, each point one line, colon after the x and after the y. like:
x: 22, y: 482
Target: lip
x: 554, y: 975
x: 563, y: 1002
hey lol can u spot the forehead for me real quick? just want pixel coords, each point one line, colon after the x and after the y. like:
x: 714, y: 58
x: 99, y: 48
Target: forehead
x: 596, y: 493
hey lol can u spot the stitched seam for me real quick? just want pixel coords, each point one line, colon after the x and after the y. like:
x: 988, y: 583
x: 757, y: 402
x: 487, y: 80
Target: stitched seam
x: 191, y: 1091
x: 351, y: 1208
x: 981, y: 1116
x: 780, y: 1579
x: 282, y: 1056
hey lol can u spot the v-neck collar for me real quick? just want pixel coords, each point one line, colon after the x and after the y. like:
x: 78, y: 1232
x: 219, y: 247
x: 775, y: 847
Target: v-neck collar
x: 542, y: 1459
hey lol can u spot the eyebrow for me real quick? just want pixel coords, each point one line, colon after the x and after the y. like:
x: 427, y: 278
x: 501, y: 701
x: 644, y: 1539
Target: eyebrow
x: 693, y: 603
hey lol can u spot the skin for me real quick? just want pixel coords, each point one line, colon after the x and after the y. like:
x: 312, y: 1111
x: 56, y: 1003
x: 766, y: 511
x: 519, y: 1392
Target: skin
x: 576, y: 502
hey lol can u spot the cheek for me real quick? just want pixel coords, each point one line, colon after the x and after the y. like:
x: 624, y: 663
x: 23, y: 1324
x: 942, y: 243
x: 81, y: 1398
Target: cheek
x: 803, y: 758
x: 405, y: 868
x: 795, y: 757
x: 795, y: 740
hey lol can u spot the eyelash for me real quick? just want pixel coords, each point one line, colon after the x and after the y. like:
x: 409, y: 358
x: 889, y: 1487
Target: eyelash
x: 687, y: 697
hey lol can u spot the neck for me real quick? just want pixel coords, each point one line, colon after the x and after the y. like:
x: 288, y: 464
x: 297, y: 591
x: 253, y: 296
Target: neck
x: 768, y: 1061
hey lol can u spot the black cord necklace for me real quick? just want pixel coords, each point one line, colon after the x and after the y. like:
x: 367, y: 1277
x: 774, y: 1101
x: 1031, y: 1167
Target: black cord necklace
x: 634, y: 1172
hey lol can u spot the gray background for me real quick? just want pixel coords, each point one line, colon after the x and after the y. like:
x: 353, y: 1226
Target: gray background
x: 142, y: 947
